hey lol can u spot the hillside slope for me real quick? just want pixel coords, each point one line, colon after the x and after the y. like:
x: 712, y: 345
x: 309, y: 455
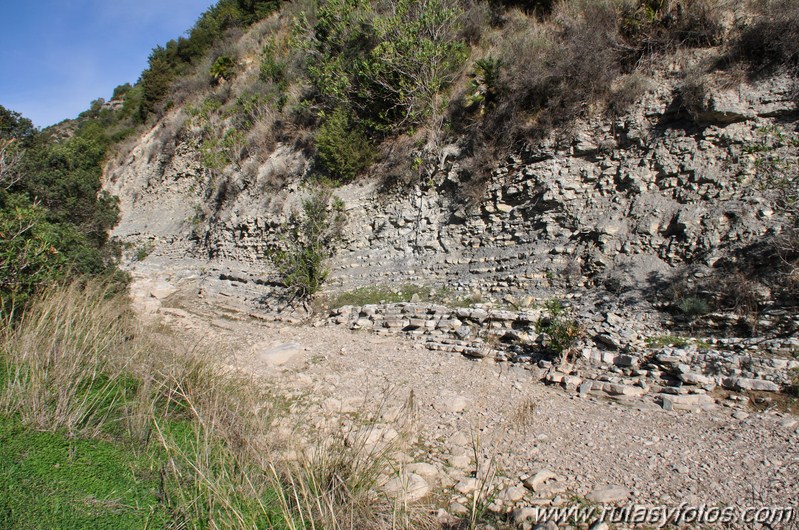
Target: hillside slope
x: 622, y: 189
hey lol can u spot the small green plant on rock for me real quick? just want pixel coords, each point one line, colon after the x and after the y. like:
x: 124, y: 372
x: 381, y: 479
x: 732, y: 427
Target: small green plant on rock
x: 563, y: 332
x: 693, y: 307
x: 143, y: 250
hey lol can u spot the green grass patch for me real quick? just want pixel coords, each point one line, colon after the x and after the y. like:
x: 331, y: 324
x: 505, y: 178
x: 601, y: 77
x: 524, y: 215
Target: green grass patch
x: 380, y: 294
x: 48, y: 480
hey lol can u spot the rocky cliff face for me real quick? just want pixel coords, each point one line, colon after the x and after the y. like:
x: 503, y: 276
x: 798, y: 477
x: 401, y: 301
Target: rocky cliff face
x: 618, y: 204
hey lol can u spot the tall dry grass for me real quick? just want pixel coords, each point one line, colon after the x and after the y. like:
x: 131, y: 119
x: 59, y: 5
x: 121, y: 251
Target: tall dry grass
x: 79, y: 362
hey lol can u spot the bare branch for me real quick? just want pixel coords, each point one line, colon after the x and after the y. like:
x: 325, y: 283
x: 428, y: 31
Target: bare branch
x: 9, y: 160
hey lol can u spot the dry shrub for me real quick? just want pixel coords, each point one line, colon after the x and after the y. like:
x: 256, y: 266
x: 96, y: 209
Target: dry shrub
x: 551, y: 72
x: 261, y: 137
x: 625, y: 92
x: 79, y: 361
x: 772, y: 39
x: 394, y: 166
x: 654, y: 27
x: 693, y: 92
x: 192, y: 85
x: 740, y: 293
x: 475, y: 20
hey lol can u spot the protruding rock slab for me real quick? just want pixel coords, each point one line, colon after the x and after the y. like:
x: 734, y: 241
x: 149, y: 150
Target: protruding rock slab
x: 277, y: 355
x: 687, y: 402
x: 609, y: 494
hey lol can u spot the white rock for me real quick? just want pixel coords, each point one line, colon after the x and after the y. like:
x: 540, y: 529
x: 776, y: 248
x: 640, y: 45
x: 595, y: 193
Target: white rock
x: 609, y: 494
x: 458, y: 439
x: 467, y: 486
x: 410, y: 487
x: 423, y: 469
x: 513, y: 494
x: 278, y: 355
x: 536, y: 482
x: 687, y: 402
x: 459, y: 461
x: 451, y: 404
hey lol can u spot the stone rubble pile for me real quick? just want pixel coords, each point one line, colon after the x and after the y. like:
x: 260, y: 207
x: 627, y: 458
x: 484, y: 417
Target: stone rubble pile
x: 608, y: 361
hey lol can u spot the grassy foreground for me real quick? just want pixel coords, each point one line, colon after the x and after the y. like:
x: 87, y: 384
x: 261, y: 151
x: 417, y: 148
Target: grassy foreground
x: 106, y: 423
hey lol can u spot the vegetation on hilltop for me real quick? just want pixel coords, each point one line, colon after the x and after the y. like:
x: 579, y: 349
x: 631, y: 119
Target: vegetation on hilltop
x: 360, y: 83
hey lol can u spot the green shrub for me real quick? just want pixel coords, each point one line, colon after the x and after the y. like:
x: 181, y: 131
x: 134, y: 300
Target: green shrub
x: 309, y: 240
x: 54, y: 218
x: 29, y: 259
x: 693, y: 307
x: 224, y: 68
x: 387, y: 63
x: 273, y: 68
x: 562, y: 331
x: 484, y: 87
x: 344, y: 149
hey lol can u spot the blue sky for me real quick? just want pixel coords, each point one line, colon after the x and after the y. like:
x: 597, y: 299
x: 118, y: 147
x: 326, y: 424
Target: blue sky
x: 56, y: 56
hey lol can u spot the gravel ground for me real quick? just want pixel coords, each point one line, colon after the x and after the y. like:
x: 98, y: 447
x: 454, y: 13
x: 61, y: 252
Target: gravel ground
x: 502, y: 413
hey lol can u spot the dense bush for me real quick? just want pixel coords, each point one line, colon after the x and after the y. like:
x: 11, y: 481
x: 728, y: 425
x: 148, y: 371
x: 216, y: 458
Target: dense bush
x: 54, y: 219
x: 344, y: 150
x: 385, y: 62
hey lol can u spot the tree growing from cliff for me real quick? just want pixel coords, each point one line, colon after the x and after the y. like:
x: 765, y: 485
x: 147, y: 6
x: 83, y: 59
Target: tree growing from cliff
x: 308, y: 242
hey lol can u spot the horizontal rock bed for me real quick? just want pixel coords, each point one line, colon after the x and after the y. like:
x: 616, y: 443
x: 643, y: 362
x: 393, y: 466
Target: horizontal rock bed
x: 608, y: 361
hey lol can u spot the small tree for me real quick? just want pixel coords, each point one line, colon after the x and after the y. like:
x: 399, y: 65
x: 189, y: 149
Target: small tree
x: 309, y: 240
x: 28, y: 257
x: 344, y: 148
